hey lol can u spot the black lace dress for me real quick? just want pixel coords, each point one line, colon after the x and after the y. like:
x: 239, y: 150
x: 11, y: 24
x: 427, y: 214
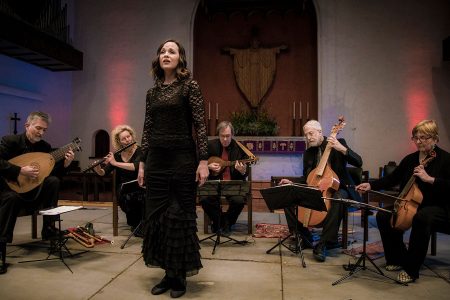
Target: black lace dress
x: 171, y: 159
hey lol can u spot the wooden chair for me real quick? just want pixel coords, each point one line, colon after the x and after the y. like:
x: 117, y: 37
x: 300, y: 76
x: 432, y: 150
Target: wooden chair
x: 115, y: 206
x: 34, y: 215
x: 207, y: 221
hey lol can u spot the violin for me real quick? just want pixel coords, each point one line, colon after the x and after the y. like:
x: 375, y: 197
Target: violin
x: 324, y: 178
x: 405, y: 207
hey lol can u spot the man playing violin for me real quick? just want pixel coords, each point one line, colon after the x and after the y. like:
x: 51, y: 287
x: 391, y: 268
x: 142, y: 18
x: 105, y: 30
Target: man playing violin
x: 340, y: 155
x: 44, y: 196
x: 433, y: 214
x: 226, y: 148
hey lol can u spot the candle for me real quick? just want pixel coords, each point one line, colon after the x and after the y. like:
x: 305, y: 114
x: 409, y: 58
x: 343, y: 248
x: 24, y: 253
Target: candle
x: 209, y: 110
x: 300, y: 109
x: 293, y: 115
x: 307, y: 110
x: 217, y: 111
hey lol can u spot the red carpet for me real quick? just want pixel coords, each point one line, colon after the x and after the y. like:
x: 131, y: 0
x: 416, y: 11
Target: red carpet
x: 265, y: 230
x: 374, y: 250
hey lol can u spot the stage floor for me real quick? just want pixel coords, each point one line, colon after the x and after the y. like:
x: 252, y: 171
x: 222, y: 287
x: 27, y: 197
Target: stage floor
x: 233, y: 272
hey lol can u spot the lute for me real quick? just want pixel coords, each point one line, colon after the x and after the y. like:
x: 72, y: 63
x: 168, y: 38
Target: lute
x: 224, y: 163
x: 44, y: 162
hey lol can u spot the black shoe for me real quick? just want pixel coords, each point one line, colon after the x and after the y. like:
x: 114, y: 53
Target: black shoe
x: 50, y: 232
x: 161, y: 287
x: 178, y: 287
x: 333, y: 245
x: 320, y: 252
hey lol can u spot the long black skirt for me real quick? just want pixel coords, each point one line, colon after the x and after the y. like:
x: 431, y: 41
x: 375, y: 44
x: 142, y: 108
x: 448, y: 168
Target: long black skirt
x: 171, y: 240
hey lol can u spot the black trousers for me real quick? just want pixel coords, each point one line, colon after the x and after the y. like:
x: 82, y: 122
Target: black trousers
x: 11, y: 203
x: 427, y: 220
x: 330, y: 226
x: 211, y: 206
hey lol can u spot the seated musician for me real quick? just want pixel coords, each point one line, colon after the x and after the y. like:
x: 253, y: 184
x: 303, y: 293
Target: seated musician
x: 226, y: 148
x: 433, y: 214
x: 340, y: 155
x: 126, y: 164
x: 44, y: 196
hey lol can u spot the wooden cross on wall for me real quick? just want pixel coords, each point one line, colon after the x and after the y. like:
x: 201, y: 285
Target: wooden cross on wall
x: 15, y: 119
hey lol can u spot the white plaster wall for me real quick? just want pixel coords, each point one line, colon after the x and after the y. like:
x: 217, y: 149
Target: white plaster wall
x: 25, y: 88
x: 372, y: 53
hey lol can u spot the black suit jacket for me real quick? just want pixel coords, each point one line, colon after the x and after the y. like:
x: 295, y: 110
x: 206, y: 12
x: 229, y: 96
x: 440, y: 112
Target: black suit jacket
x: 234, y: 153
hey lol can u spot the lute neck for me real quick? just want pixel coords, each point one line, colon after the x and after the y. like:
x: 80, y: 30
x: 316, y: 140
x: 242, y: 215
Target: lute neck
x: 324, y: 159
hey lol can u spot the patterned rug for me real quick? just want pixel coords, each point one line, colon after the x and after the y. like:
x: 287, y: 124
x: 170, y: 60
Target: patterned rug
x: 374, y: 250
x: 265, y: 230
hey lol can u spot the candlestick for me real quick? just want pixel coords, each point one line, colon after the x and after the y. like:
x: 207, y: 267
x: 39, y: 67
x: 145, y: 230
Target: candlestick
x: 307, y: 110
x: 301, y: 115
x: 293, y: 111
x: 209, y: 110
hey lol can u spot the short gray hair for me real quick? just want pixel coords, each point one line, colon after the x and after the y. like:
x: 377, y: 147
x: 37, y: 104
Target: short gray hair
x: 39, y: 115
x: 312, y: 124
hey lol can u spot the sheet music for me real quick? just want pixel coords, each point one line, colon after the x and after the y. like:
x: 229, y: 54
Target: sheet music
x: 59, y: 210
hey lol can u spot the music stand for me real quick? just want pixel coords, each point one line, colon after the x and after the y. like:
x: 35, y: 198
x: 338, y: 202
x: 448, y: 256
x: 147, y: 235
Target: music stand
x: 293, y: 195
x: 218, y: 188
x: 127, y: 187
x: 58, y: 243
x: 361, y: 263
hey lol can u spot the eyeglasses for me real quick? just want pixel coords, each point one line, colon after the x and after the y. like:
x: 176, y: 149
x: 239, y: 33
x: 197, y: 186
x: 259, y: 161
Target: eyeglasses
x: 420, y: 138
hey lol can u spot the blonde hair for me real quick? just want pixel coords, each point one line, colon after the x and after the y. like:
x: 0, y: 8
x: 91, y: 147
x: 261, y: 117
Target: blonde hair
x: 427, y: 127
x: 117, y: 131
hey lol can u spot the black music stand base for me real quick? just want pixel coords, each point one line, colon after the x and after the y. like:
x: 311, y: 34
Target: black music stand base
x: 361, y: 262
x: 216, y: 239
x: 296, y: 250
x: 131, y: 234
x: 298, y: 242
x: 57, y: 248
x: 361, y: 265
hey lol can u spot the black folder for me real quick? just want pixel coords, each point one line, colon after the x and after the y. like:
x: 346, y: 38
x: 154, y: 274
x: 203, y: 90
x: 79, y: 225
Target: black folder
x: 289, y: 195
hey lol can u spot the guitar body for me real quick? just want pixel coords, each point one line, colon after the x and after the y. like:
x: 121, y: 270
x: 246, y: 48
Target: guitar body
x: 406, y: 208
x: 328, y: 182
x: 44, y: 162
x: 223, y: 164
x: 41, y: 160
